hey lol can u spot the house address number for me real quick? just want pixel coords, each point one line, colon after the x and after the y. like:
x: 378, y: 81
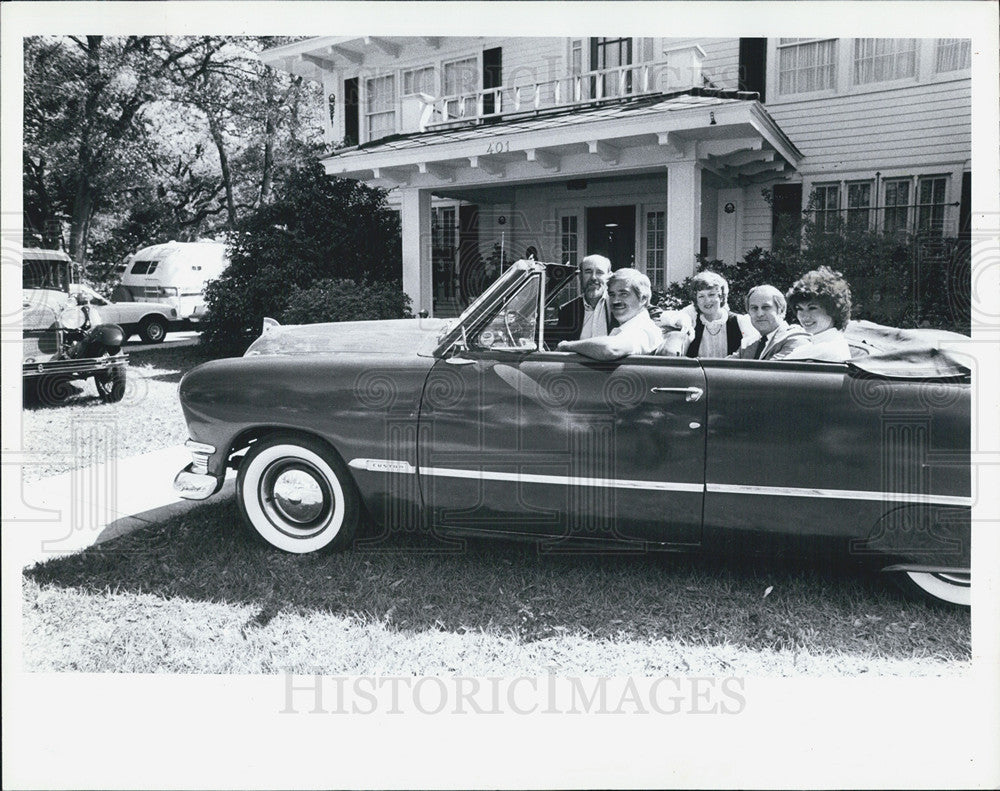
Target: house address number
x: 500, y: 147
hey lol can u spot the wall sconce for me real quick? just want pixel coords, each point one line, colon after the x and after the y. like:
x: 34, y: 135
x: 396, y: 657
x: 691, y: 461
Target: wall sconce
x: 711, y: 119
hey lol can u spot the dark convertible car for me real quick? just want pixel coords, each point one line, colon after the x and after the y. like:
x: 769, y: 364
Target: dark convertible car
x: 478, y: 427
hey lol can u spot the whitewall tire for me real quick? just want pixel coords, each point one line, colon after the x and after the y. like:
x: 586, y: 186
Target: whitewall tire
x: 297, y: 495
x: 951, y: 588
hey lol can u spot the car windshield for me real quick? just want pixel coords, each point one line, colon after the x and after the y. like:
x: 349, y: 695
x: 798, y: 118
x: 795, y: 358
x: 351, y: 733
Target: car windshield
x: 45, y: 274
x: 455, y: 330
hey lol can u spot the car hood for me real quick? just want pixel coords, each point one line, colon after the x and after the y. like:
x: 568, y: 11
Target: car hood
x: 393, y: 336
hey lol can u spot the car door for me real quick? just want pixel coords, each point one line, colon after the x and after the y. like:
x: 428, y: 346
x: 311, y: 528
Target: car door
x: 549, y: 443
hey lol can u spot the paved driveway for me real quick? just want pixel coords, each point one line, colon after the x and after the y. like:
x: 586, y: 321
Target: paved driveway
x: 69, y: 512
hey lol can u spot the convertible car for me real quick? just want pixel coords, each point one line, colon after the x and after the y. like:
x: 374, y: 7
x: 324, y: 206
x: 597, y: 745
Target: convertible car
x: 479, y: 427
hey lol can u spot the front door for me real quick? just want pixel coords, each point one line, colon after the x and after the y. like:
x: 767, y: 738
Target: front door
x: 611, y: 232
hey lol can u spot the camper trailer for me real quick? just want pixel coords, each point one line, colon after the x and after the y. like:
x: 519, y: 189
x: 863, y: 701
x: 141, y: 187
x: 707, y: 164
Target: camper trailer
x: 175, y: 274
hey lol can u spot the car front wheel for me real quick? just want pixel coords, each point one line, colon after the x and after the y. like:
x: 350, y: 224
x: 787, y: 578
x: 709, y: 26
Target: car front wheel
x: 948, y: 587
x: 111, y: 384
x: 297, y: 495
x: 153, y: 330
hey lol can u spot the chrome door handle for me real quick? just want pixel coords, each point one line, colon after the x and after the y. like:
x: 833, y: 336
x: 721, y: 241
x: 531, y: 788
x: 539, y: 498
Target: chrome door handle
x: 458, y: 361
x: 692, y: 393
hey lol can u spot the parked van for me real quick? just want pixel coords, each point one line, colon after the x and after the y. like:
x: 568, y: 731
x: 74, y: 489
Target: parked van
x: 175, y: 274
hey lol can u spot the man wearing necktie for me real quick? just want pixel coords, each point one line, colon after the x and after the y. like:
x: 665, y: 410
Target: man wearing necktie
x: 766, y: 306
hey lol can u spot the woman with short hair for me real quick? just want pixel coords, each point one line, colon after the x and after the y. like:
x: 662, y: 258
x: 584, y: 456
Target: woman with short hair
x: 821, y: 301
x: 718, y: 332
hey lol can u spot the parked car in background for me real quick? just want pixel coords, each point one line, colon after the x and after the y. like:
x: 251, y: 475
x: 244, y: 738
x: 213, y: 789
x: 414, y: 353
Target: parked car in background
x: 64, y: 338
x: 481, y: 429
x: 149, y: 320
x: 173, y: 274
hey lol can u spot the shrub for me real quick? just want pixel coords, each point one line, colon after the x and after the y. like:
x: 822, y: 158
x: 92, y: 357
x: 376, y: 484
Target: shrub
x: 318, y: 228
x: 345, y: 300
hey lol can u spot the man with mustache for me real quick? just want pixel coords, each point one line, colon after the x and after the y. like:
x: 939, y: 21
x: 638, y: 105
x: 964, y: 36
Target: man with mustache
x: 629, y: 292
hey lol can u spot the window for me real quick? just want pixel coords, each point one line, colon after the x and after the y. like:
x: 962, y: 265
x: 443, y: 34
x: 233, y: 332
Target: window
x: 380, y: 106
x: 569, y: 240
x: 897, y: 202
x: 930, y: 205
x: 805, y: 65
x: 953, y: 54
x: 859, y: 203
x: 514, y: 327
x: 656, y: 246
x: 576, y: 56
x: 461, y: 77
x: 144, y: 267
x: 610, y: 53
x: 826, y: 200
x: 419, y: 81
x: 882, y: 59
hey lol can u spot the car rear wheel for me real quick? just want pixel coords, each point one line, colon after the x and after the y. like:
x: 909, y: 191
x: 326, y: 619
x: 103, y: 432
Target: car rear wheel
x: 111, y: 384
x: 297, y: 495
x: 153, y: 329
x: 948, y: 587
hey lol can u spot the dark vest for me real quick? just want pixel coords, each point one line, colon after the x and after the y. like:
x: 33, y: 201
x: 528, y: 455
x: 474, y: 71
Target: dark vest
x: 734, y: 336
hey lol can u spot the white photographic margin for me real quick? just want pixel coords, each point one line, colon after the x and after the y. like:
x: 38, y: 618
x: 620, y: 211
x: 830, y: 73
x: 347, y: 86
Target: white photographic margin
x: 76, y: 730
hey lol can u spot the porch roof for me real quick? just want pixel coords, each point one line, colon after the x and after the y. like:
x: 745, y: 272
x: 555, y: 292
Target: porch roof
x: 729, y: 133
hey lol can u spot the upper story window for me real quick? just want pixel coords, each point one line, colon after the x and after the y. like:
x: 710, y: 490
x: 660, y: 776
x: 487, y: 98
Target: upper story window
x: 380, y: 106
x: 610, y: 53
x: 461, y: 77
x: 806, y: 65
x: 952, y: 54
x: 576, y: 56
x: 883, y: 59
x: 419, y: 81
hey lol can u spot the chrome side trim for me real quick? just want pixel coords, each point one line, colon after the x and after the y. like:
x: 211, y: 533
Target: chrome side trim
x: 403, y: 467
x: 839, y: 494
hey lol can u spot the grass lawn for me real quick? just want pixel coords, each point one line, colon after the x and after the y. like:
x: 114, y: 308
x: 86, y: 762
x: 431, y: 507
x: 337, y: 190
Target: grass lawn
x: 195, y: 593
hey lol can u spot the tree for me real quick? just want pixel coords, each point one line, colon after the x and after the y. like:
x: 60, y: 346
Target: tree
x: 315, y: 229
x: 131, y: 141
x: 83, y: 103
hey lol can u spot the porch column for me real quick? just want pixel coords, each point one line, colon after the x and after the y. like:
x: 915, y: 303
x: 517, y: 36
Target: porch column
x: 415, y: 218
x: 683, y: 218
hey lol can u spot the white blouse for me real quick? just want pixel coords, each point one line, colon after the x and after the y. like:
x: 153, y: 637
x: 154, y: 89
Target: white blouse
x: 830, y: 345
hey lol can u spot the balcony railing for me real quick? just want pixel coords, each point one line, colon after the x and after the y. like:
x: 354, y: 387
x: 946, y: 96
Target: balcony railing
x: 576, y: 89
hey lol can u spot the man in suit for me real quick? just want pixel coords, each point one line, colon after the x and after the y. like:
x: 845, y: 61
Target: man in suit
x: 766, y: 306
x: 588, y: 315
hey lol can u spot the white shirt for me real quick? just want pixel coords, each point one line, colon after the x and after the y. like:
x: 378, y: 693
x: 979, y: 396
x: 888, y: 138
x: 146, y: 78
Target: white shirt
x: 642, y: 331
x: 595, y: 319
x: 830, y: 345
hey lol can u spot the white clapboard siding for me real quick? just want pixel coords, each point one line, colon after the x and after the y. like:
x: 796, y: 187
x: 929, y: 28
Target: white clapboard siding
x: 756, y: 219
x: 908, y: 126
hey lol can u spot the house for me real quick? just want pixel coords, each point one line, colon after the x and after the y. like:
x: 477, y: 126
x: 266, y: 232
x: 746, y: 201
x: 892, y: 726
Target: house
x: 650, y: 150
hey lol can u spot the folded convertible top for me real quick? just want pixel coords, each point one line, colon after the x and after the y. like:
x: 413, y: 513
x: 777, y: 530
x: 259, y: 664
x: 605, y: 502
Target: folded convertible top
x: 907, y: 354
